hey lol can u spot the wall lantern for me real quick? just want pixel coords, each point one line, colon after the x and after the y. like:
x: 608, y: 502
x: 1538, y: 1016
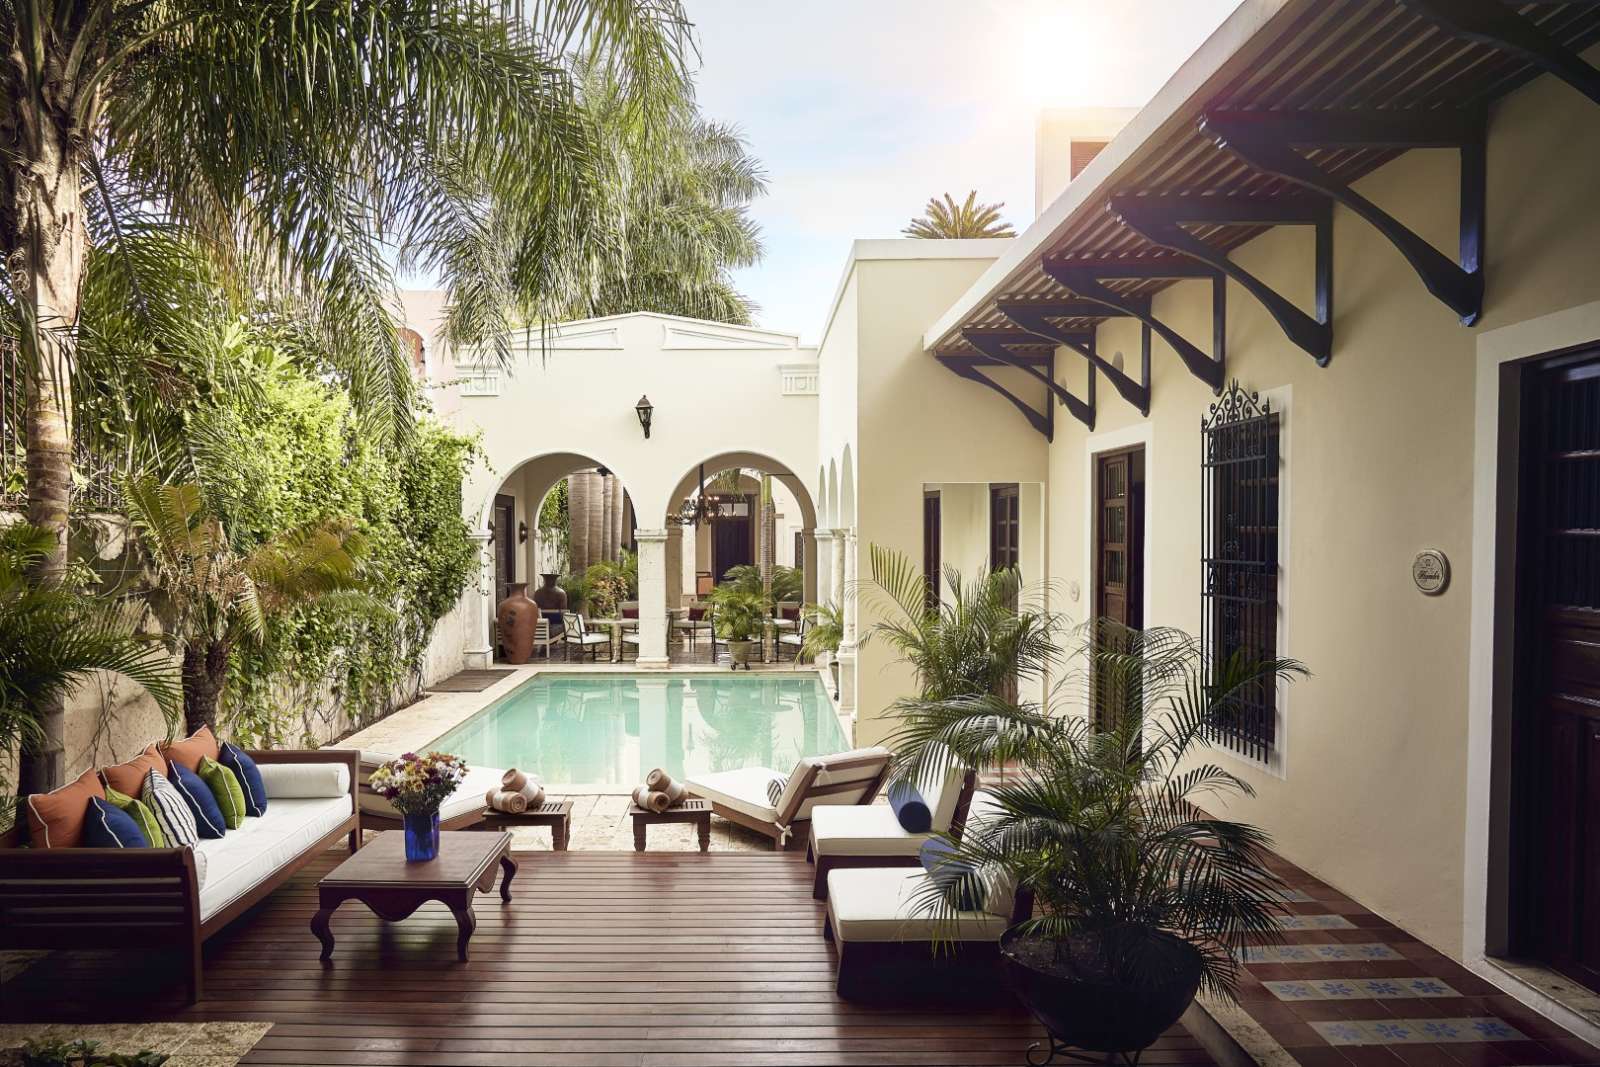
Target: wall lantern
x: 522, y: 533
x: 644, y: 409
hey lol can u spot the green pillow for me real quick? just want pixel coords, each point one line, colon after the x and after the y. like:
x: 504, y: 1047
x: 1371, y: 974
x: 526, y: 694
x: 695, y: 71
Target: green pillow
x: 224, y: 786
x: 142, y: 816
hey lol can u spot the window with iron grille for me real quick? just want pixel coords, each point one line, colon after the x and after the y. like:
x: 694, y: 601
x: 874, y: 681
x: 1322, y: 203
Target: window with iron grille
x: 1239, y: 487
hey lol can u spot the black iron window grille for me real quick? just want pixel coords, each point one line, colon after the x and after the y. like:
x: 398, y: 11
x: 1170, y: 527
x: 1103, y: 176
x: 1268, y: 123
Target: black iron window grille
x: 1239, y: 483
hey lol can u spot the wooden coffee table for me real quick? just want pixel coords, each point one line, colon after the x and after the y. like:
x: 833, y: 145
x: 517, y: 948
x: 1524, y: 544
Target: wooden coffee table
x: 379, y: 876
x: 695, y: 811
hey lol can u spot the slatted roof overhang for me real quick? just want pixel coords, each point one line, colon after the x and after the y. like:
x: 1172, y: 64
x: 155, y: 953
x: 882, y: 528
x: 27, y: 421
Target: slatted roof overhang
x: 1267, y: 124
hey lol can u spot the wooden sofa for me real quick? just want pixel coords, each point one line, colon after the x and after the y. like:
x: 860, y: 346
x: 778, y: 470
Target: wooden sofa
x: 97, y: 898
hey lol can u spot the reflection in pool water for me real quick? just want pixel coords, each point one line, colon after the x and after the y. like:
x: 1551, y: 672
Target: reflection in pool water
x: 611, y: 729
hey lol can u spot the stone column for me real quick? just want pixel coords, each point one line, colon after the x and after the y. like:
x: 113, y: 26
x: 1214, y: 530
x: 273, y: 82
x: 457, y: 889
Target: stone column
x: 845, y: 546
x: 836, y: 574
x: 652, y: 598
x: 477, y: 648
x: 614, y: 511
x: 808, y: 564
x: 674, y: 568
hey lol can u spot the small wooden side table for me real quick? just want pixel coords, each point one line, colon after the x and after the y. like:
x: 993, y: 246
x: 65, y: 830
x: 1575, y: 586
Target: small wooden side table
x: 556, y: 814
x: 695, y: 811
x: 379, y: 877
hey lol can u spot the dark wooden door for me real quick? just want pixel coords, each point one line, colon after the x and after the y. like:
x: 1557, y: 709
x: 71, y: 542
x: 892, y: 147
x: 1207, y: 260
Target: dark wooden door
x: 733, y: 536
x: 1118, y: 595
x: 1556, y: 723
x: 932, y: 541
x: 505, y: 544
x: 1005, y: 527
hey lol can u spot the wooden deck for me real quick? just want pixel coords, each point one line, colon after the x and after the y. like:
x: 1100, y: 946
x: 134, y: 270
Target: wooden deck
x: 602, y: 959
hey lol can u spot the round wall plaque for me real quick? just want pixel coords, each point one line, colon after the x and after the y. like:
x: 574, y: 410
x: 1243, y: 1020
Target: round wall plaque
x: 1431, y: 571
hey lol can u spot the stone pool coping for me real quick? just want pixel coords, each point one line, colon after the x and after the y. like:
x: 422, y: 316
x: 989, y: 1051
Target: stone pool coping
x: 413, y: 728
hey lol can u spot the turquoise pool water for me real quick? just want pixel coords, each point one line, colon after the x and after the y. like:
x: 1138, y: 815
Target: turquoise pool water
x: 611, y: 729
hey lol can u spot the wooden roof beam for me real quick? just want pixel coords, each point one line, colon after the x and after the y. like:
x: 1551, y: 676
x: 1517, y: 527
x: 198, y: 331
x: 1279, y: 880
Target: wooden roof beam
x: 995, y: 345
x: 1035, y: 318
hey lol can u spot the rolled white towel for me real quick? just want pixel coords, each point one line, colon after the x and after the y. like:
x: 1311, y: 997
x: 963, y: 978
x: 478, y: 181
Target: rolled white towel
x: 532, y: 794
x: 659, y: 781
x: 506, y: 801
x: 651, y: 800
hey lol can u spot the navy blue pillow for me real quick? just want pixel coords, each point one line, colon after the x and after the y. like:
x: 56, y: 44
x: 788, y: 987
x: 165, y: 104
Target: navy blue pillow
x: 195, y: 793
x: 243, y: 767
x: 909, y: 807
x: 958, y: 879
x: 107, y: 826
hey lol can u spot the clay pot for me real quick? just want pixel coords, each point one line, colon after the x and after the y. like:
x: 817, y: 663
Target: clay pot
x: 550, y: 596
x: 518, y: 618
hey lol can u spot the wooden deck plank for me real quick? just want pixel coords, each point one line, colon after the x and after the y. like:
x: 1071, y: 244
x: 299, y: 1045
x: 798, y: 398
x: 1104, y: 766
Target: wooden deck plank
x: 602, y: 959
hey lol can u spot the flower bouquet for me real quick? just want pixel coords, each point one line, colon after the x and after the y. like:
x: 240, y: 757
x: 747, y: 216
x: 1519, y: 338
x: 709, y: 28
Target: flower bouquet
x: 416, y: 786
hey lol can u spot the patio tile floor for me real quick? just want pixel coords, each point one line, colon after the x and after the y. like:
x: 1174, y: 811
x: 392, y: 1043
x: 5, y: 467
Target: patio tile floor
x: 1362, y: 992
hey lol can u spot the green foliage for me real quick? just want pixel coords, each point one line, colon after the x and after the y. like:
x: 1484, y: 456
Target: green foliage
x: 51, y: 1052
x: 824, y: 630
x: 946, y: 219
x: 555, y: 527
x: 788, y: 583
x: 739, y: 615
x: 984, y: 633
x: 576, y: 585
x: 54, y: 635
x: 1104, y: 824
x: 606, y: 586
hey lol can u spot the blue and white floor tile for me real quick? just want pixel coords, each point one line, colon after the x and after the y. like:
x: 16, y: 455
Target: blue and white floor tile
x: 1360, y: 989
x: 1318, y: 953
x: 1314, y: 922
x: 1416, y: 1031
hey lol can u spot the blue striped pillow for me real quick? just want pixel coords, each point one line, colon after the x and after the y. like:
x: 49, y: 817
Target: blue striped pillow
x: 107, y: 826
x: 207, y: 812
x: 244, y: 768
x: 170, y: 809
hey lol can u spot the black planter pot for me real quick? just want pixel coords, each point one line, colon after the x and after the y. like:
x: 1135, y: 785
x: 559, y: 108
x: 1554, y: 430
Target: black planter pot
x: 1106, y: 1017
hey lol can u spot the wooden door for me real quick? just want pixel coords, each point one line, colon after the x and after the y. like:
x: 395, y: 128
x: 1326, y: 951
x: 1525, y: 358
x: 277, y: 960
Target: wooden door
x: 1556, y: 721
x: 505, y: 544
x: 932, y: 544
x: 1118, y: 594
x: 733, y: 536
x: 1005, y: 527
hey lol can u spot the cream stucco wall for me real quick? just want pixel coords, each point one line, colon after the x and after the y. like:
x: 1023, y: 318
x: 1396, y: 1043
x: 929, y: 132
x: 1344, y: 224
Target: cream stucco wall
x: 1371, y: 794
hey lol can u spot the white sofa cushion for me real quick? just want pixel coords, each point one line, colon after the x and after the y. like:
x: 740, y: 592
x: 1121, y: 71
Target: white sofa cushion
x: 745, y: 791
x: 241, y: 860
x: 467, y: 797
x: 855, y: 770
x: 861, y: 830
x: 304, y: 781
x: 885, y: 904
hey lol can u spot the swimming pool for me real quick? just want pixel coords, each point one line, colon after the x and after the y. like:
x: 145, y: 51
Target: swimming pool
x: 609, y: 730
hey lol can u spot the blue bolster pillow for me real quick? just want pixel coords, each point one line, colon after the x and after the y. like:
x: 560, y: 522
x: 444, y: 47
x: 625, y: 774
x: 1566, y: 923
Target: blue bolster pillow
x: 957, y: 879
x: 108, y: 826
x: 910, y: 808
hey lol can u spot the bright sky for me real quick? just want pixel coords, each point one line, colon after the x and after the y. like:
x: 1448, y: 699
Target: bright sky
x: 863, y: 109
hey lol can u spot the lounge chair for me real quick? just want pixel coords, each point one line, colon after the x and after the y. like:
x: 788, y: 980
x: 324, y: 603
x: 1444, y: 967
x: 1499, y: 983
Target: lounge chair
x: 575, y: 635
x: 885, y: 939
x: 743, y: 796
x: 462, y: 809
x: 871, y: 835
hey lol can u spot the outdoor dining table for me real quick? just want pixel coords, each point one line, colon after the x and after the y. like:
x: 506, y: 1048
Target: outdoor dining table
x: 616, y: 626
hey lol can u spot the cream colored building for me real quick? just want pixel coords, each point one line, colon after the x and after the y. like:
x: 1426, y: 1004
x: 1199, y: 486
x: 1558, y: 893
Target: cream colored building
x: 1384, y: 231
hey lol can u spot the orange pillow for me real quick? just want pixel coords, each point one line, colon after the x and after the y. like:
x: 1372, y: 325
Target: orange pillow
x: 129, y: 777
x: 202, y: 744
x: 55, y: 819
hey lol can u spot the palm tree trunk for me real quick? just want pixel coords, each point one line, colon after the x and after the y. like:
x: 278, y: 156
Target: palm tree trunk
x: 46, y: 261
x: 205, y: 672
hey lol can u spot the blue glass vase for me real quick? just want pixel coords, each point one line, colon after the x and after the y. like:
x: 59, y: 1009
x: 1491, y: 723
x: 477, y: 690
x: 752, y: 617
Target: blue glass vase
x: 422, y: 836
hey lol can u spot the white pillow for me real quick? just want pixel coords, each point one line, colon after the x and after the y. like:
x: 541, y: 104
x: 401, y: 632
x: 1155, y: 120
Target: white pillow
x: 289, y: 781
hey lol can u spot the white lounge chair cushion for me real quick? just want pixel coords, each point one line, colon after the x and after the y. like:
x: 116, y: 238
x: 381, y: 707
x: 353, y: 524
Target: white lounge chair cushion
x: 830, y: 774
x: 884, y: 904
x: 744, y: 791
x: 467, y: 797
x: 243, y: 858
x: 861, y: 830
x: 304, y: 781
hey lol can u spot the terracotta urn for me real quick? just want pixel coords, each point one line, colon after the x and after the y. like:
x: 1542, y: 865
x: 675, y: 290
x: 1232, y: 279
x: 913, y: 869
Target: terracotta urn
x: 550, y: 596
x: 517, y: 617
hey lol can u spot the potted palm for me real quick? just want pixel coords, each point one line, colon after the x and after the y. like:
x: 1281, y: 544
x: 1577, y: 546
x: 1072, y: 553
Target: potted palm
x: 824, y: 633
x: 738, y: 618
x: 1145, y: 898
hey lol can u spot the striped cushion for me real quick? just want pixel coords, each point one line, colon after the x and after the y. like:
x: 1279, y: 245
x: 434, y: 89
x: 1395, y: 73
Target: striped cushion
x: 207, y: 813
x: 775, y: 789
x: 170, y: 809
x: 245, y: 770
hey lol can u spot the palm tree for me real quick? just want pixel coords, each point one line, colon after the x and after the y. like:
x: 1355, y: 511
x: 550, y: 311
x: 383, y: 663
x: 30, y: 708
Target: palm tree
x: 211, y: 598
x: 299, y: 142
x: 54, y: 638
x: 980, y: 638
x: 946, y: 220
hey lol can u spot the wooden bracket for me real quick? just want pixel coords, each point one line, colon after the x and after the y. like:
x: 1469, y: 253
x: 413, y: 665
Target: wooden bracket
x: 1267, y: 141
x: 968, y: 367
x: 995, y: 343
x: 1492, y: 23
x: 1084, y: 277
x: 1161, y: 220
x: 1035, y: 316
